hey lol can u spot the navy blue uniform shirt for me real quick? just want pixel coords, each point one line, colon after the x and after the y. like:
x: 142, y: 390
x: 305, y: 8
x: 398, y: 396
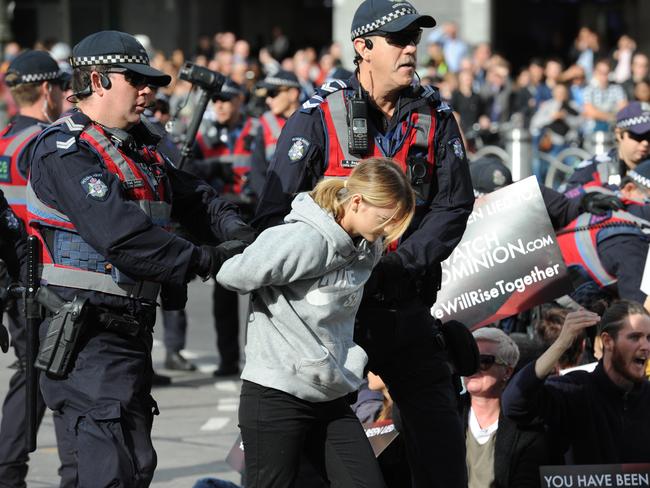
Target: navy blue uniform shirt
x: 437, y: 227
x: 116, y: 227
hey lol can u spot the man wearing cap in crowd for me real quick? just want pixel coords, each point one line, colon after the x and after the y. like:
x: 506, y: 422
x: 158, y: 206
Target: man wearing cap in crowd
x: 392, y: 115
x: 37, y: 84
x: 99, y: 198
x: 632, y: 135
x: 223, y: 158
x: 282, y: 93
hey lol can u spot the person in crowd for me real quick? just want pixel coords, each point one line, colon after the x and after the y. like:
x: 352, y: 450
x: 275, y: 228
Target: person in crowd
x: 101, y: 195
x: 306, y: 278
x: 548, y: 328
x: 602, y: 99
x: 283, y: 99
x: 37, y: 85
x: 585, y: 50
x: 602, y: 415
x: 639, y: 74
x: 466, y: 102
x: 453, y: 48
x: 575, y: 76
x: 622, y: 57
x: 499, y: 454
x: 395, y: 325
x: 632, y: 135
x: 497, y: 92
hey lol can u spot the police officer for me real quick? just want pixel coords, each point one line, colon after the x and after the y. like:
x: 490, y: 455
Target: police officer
x: 36, y: 84
x: 632, y: 133
x: 282, y: 94
x: 99, y: 198
x: 389, y: 114
x: 608, y: 252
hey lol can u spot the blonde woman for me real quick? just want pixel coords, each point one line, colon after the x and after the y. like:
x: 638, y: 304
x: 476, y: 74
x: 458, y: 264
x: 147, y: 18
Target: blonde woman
x: 306, y: 281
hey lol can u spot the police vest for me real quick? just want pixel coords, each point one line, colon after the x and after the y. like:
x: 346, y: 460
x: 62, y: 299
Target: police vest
x: 417, y: 136
x: 67, y: 259
x: 579, y: 241
x: 12, y: 183
x: 217, y: 151
x: 271, y: 126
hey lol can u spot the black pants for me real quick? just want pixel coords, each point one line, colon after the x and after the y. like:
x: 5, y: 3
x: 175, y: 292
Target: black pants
x: 278, y: 428
x: 13, y: 455
x: 226, y: 323
x: 404, y: 348
x: 106, y: 409
x: 175, y: 329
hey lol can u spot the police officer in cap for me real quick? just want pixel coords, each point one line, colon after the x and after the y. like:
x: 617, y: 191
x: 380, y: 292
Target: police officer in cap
x: 36, y: 84
x: 608, y: 252
x: 282, y: 94
x: 99, y: 198
x: 632, y: 133
x: 383, y: 111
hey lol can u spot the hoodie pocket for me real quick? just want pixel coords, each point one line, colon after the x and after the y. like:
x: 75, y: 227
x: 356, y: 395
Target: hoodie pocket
x: 341, y: 374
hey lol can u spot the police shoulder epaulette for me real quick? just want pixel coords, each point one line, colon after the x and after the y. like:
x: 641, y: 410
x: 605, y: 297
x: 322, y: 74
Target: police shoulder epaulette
x: 67, y: 131
x: 322, y: 93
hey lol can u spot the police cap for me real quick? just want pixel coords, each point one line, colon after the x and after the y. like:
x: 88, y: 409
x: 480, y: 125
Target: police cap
x: 114, y: 48
x: 634, y: 117
x: 488, y: 175
x: 281, y: 79
x: 387, y: 16
x: 641, y: 174
x: 229, y: 90
x: 34, y: 67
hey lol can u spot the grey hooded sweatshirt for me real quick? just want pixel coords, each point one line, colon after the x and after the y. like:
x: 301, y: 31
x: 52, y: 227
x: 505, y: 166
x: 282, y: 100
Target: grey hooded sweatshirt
x: 306, y: 279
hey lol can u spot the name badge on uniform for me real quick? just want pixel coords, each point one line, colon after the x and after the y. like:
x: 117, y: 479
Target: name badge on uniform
x: 614, y: 180
x: 349, y: 163
x: 5, y: 169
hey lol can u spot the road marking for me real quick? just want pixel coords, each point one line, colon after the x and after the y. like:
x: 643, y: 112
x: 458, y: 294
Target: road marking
x: 231, y: 386
x: 228, y: 407
x: 215, y: 423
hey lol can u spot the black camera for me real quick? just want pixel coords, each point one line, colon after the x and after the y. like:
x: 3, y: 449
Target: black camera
x: 209, y: 80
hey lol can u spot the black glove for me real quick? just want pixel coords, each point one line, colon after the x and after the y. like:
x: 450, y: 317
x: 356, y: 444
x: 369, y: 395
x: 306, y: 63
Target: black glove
x: 221, y: 253
x: 600, y: 203
x: 244, y: 233
x: 387, y: 280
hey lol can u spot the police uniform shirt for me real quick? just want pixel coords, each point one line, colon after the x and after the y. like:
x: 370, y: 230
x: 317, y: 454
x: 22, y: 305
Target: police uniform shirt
x: 19, y: 123
x: 434, y: 233
x: 116, y: 227
x: 586, y: 170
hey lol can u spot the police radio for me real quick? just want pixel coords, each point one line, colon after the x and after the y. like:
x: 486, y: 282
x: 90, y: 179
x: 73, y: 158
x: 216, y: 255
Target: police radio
x: 358, y: 124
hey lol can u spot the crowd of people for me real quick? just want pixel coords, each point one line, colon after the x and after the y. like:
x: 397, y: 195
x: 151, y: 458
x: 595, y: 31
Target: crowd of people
x: 330, y: 196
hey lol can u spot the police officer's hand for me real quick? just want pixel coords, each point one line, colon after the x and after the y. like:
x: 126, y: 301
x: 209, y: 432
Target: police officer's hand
x: 244, y: 233
x: 600, y: 203
x: 387, y: 279
x: 221, y: 253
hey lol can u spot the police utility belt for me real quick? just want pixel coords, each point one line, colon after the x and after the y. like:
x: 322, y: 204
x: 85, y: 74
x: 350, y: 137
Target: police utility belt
x: 69, y: 319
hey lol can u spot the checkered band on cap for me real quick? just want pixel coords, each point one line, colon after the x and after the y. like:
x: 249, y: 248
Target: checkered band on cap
x: 380, y: 22
x: 37, y: 77
x: 642, y: 180
x: 108, y: 59
x: 632, y: 121
x: 271, y: 80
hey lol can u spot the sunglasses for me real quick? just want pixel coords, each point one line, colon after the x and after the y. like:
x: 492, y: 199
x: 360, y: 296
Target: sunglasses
x: 275, y: 92
x: 639, y: 137
x: 136, y: 80
x: 401, y: 38
x: 486, y: 361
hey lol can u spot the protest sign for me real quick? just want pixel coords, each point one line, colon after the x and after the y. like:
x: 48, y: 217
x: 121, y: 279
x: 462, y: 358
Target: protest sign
x: 507, y: 262
x: 596, y: 476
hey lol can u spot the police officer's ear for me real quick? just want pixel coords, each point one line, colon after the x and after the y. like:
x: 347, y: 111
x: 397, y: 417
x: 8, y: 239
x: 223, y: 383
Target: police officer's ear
x: 618, y: 134
x: 363, y: 47
x: 99, y: 82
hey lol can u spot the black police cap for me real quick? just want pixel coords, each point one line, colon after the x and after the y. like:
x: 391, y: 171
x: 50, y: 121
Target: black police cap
x: 229, y: 90
x: 34, y: 67
x: 281, y: 79
x: 387, y: 16
x: 641, y: 174
x: 114, y: 48
x: 489, y: 174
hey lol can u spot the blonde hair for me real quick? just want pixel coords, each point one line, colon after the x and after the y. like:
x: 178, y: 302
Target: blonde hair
x: 380, y: 182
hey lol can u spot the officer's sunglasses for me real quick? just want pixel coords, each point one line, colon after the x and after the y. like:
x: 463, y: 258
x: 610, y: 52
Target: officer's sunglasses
x: 136, y: 80
x: 402, y: 38
x: 275, y: 92
x: 639, y: 137
x: 486, y: 361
